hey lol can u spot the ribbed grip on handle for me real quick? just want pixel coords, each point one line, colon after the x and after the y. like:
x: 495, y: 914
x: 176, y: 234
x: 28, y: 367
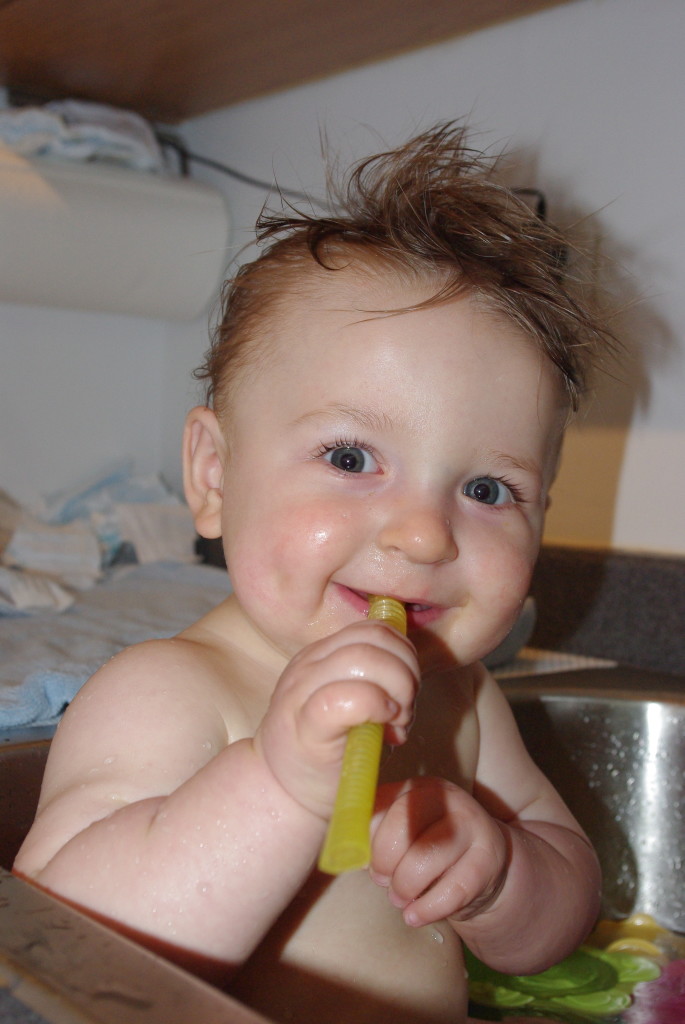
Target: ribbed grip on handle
x: 389, y: 610
x: 348, y: 844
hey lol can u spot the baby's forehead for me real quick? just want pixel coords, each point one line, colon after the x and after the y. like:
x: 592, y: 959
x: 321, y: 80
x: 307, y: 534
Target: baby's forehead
x: 366, y: 290
x: 314, y: 305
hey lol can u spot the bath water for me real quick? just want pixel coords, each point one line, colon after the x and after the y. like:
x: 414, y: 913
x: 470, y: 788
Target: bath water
x: 628, y: 972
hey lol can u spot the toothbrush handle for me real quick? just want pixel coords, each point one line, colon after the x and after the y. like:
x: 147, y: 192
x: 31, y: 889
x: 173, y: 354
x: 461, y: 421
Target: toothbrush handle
x: 348, y: 844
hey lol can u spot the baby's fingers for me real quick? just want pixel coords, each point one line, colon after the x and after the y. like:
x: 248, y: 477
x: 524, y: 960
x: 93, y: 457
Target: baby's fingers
x: 460, y: 890
x: 331, y: 711
x: 359, y: 646
x: 404, y: 812
x: 437, y: 851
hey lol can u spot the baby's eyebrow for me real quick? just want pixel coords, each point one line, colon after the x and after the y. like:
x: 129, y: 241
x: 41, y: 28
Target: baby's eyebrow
x: 369, y: 419
x: 513, y: 461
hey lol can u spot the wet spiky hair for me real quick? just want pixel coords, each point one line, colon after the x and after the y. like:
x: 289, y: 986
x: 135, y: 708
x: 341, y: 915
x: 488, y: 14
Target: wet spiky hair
x: 433, y: 210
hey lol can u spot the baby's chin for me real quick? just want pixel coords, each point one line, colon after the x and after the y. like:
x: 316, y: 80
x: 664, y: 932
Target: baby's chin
x: 459, y: 637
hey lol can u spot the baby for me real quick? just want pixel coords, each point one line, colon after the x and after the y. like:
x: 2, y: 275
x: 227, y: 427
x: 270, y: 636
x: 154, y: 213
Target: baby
x: 388, y: 391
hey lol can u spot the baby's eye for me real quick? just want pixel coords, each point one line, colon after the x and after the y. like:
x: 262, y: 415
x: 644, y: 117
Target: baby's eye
x: 351, y: 459
x: 488, y: 491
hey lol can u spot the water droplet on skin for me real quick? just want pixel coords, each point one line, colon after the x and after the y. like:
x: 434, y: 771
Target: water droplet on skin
x: 437, y: 936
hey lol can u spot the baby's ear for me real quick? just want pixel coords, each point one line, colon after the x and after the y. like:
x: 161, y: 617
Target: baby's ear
x: 204, y: 452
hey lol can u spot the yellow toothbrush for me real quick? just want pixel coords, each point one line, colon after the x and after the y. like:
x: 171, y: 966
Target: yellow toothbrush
x: 348, y: 843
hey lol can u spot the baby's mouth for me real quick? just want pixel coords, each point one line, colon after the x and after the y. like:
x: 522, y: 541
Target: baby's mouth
x: 419, y: 613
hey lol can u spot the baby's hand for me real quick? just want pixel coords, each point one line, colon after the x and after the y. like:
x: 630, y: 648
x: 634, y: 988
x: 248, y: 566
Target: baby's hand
x: 367, y: 672
x: 439, y: 853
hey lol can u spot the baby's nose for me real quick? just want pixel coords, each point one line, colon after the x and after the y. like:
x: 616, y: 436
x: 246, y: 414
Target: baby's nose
x: 423, y: 534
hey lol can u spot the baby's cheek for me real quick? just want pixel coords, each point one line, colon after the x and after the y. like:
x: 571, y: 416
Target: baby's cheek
x: 316, y: 532
x: 504, y: 581
x: 514, y: 591
x: 284, y: 550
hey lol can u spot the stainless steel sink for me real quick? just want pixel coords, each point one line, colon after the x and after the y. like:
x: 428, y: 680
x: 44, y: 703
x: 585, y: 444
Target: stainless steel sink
x: 616, y: 752
x: 611, y: 740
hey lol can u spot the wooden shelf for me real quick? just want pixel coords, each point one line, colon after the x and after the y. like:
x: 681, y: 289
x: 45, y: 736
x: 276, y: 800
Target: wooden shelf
x: 174, y: 59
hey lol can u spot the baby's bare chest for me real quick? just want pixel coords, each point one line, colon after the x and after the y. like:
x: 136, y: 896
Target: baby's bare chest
x: 342, y: 952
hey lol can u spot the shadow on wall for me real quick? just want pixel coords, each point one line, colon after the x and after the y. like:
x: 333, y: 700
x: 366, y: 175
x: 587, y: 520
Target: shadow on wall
x: 613, y: 277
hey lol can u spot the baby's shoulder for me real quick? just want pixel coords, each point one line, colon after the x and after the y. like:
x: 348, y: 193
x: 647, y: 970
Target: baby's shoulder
x: 150, y: 686
x: 173, y: 686
x: 154, y: 666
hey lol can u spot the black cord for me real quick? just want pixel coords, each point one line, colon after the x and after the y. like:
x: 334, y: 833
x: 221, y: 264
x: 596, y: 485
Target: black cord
x: 187, y: 157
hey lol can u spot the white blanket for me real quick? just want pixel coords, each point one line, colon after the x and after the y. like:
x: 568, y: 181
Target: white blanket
x: 45, y: 659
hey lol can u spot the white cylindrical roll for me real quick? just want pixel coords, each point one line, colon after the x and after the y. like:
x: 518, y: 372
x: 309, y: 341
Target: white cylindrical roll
x: 99, y: 237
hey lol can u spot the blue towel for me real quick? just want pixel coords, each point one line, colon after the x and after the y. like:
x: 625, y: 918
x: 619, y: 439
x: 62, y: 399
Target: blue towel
x: 41, y: 699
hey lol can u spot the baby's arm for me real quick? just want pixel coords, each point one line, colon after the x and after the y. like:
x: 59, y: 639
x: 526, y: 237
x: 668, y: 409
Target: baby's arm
x: 508, y: 866
x: 153, y: 817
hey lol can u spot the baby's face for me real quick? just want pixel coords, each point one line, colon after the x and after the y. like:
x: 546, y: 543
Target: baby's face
x: 407, y: 455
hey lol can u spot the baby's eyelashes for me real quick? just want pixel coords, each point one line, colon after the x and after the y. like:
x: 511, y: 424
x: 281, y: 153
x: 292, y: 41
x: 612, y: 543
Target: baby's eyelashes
x: 489, y: 491
x: 351, y: 457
